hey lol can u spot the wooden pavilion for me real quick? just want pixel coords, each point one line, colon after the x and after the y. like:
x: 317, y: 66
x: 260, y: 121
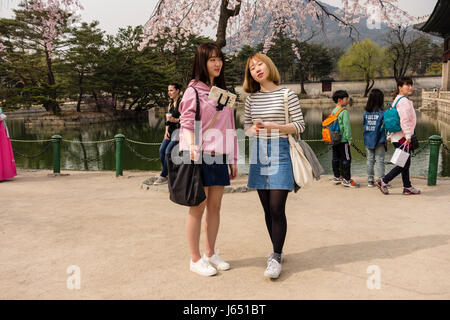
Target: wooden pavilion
x: 438, y: 24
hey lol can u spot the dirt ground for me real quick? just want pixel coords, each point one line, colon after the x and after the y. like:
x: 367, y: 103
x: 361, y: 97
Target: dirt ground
x: 130, y: 243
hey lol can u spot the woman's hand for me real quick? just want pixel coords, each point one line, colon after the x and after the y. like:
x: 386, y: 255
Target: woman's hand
x: 194, y: 152
x: 269, y: 126
x: 167, y: 135
x: 251, y: 131
x: 233, y: 171
x: 254, y: 129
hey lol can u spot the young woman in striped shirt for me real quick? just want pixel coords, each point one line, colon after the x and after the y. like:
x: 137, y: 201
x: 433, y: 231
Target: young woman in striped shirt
x: 270, y: 165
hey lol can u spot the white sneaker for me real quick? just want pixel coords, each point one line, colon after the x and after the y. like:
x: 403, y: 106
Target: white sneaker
x: 203, y: 268
x: 217, y: 261
x: 273, y: 269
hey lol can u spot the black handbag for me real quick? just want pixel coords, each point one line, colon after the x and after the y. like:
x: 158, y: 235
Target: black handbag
x: 185, y: 179
x: 414, y: 142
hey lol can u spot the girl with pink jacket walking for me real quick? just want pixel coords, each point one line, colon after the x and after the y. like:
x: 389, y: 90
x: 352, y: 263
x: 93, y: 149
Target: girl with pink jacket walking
x: 407, y: 114
x: 219, y: 151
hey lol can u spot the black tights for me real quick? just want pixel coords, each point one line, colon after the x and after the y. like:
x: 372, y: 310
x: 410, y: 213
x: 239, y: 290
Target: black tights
x: 274, y: 204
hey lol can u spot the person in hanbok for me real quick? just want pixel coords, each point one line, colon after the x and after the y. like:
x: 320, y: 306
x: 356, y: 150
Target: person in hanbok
x: 7, y: 163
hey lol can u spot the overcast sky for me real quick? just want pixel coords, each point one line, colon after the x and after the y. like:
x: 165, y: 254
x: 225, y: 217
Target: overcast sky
x: 114, y: 14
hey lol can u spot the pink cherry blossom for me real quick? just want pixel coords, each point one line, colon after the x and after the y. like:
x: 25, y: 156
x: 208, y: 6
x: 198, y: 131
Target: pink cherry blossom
x: 56, y: 11
x: 259, y: 18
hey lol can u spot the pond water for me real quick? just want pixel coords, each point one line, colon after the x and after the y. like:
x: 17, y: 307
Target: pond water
x: 77, y: 156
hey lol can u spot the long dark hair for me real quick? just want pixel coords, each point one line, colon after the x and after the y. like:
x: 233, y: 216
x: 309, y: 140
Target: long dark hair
x: 200, y: 71
x: 400, y: 83
x: 178, y: 87
x: 376, y: 101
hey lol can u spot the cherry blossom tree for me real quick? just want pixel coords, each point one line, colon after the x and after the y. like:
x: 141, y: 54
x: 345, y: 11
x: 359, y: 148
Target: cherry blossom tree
x: 43, y: 24
x: 240, y: 21
x: 54, y: 13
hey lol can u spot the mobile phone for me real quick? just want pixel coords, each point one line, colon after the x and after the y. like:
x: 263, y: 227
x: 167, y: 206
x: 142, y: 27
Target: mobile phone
x: 222, y: 96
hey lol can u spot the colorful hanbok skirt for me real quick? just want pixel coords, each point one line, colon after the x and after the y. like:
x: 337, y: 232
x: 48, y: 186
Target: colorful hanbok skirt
x: 7, y: 163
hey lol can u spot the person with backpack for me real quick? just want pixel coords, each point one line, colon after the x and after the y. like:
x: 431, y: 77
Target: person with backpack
x: 374, y: 135
x: 271, y: 170
x: 341, y: 140
x: 400, y: 121
x: 217, y: 150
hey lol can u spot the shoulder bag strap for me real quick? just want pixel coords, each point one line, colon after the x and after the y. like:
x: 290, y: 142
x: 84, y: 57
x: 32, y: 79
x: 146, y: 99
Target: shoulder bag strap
x: 286, y: 111
x: 286, y: 106
x: 198, y: 118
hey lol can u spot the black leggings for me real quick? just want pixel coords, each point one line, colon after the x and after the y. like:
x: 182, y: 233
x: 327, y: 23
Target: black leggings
x: 274, y: 204
x: 399, y: 170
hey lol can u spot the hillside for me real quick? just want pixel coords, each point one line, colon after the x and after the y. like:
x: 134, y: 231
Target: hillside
x: 332, y: 35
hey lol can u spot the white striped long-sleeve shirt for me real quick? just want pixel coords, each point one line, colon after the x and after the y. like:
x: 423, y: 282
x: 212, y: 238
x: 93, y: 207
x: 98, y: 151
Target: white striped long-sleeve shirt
x: 269, y: 107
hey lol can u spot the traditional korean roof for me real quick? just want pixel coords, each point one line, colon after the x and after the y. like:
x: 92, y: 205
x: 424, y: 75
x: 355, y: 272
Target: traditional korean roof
x: 438, y: 23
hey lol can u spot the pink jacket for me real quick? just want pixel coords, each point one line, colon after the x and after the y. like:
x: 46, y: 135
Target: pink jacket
x: 221, y: 138
x: 408, y: 119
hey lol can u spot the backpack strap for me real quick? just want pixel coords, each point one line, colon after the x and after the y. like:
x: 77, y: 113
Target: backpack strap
x: 339, y: 111
x: 332, y: 118
x: 395, y: 105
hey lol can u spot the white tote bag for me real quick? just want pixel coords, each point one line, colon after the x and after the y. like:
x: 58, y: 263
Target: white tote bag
x: 303, y: 173
x: 400, y: 156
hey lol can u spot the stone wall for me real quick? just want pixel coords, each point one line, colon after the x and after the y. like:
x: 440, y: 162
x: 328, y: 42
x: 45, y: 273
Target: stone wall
x: 25, y: 113
x: 156, y: 116
x: 357, y: 87
x: 326, y: 103
x: 73, y: 120
x: 35, y: 111
x: 438, y: 103
x: 37, y: 116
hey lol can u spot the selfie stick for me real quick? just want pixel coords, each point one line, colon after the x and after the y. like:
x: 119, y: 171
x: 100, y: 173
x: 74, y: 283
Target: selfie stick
x: 220, y: 106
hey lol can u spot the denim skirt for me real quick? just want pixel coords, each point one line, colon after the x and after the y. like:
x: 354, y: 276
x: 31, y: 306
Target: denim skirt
x: 270, y: 165
x: 215, y: 171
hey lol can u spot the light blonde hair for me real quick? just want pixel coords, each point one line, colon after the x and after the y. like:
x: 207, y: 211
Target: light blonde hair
x: 250, y: 85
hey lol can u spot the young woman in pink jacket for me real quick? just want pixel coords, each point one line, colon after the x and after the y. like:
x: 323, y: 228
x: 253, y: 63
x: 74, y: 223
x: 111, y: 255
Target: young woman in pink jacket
x: 219, y: 151
x: 407, y: 116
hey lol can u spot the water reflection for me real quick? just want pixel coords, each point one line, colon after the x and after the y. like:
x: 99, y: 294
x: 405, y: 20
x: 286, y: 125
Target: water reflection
x: 77, y: 156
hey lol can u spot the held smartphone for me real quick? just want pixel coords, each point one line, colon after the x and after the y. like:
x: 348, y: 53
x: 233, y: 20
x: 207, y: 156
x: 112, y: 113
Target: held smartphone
x: 216, y: 93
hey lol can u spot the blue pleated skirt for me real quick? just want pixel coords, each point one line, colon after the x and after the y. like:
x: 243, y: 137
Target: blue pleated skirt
x: 215, y: 173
